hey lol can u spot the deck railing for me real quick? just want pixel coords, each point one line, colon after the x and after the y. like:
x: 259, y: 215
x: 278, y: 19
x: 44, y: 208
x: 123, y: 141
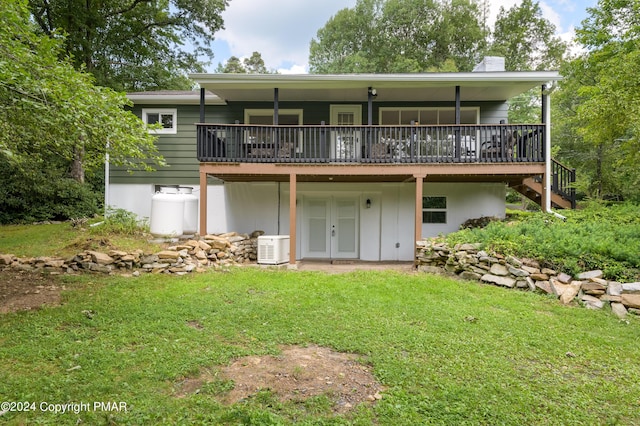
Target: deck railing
x: 563, y: 182
x: 371, y: 144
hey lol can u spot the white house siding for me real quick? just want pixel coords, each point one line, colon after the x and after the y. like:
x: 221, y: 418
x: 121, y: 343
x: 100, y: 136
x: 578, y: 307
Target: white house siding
x: 135, y: 198
x: 465, y: 201
x: 385, y: 229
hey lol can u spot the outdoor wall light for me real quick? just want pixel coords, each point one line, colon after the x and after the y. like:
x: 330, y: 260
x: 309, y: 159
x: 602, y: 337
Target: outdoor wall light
x: 373, y: 92
x: 368, y: 203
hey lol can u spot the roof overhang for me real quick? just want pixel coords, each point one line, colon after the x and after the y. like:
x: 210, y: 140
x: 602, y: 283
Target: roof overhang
x: 173, y: 97
x: 474, y: 86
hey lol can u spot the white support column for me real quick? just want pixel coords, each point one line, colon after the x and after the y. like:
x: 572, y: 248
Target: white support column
x: 547, y: 149
x: 293, y: 180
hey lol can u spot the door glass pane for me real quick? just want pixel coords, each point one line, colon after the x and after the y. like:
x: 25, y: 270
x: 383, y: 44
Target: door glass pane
x: 407, y: 116
x: 317, y: 226
x: 317, y: 235
x: 429, y: 116
x: 346, y: 235
x: 346, y: 119
x: 346, y: 221
x: 390, y: 118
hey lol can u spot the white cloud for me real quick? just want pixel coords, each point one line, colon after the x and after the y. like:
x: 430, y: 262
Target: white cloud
x: 281, y: 30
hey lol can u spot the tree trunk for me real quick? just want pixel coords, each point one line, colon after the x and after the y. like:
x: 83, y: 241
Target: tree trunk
x: 77, y: 169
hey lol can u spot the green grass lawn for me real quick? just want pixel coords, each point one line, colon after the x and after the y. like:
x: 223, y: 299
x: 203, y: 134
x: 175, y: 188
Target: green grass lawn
x: 525, y: 359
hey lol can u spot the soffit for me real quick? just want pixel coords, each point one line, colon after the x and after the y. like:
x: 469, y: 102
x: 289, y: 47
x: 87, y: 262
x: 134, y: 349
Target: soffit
x: 475, y: 86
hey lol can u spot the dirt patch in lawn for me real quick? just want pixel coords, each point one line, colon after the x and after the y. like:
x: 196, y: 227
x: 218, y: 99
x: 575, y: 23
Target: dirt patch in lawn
x: 296, y: 374
x: 21, y: 291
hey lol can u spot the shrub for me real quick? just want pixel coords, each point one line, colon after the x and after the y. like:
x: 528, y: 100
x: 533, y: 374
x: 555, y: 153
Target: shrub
x: 121, y: 221
x: 35, y: 193
x: 599, y: 236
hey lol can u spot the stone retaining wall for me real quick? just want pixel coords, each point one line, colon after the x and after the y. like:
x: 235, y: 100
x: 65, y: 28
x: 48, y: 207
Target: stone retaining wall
x: 185, y: 257
x: 469, y: 262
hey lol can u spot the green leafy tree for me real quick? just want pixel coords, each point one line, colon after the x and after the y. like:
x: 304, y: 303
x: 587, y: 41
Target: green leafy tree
x: 600, y: 113
x: 51, y: 113
x: 251, y: 65
x: 400, y: 36
x: 133, y: 45
x: 526, y: 39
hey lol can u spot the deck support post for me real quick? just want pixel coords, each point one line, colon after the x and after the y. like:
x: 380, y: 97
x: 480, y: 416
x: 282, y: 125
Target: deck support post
x: 418, y: 211
x: 293, y: 180
x: 203, y: 202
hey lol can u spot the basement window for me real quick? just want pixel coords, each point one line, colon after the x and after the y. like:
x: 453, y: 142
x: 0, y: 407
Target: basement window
x: 434, y: 209
x: 167, y: 118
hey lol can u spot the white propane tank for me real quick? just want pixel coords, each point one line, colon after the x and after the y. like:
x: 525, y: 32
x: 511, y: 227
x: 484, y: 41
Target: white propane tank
x: 190, y: 217
x: 167, y: 211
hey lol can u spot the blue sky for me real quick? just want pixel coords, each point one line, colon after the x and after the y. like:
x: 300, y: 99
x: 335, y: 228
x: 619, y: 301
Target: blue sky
x: 281, y: 30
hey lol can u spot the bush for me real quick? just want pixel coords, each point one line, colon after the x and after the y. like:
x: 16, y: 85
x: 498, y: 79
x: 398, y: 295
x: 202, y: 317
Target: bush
x: 599, y: 236
x: 36, y: 194
x: 120, y: 221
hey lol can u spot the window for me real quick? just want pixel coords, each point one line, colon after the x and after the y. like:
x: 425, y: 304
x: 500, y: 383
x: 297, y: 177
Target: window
x: 167, y: 118
x: 404, y: 116
x: 289, y: 140
x: 434, y: 209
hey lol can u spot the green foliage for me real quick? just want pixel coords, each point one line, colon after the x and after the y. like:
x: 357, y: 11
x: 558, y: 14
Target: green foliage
x: 599, y: 103
x: 595, y: 237
x: 509, y: 366
x: 122, y: 222
x: 526, y: 39
x: 54, y: 121
x: 252, y: 65
x: 396, y: 36
x: 134, y: 45
x: 40, y: 194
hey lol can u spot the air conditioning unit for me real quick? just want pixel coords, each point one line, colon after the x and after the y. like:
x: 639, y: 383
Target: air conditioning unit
x: 273, y: 249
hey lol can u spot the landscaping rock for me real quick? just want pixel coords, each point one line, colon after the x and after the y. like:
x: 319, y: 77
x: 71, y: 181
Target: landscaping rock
x: 592, y: 302
x: 498, y: 269
x: 6, y: 259
x: 499, y: 280
x: 594, y: 288
x: 590, y: 274
x: 631, y: 300
x: 564, y: 278
x: 614, y: 289
x: 619, y: 310
x: 631, y: 288
x: 101, y: 258
x: 570, y: 292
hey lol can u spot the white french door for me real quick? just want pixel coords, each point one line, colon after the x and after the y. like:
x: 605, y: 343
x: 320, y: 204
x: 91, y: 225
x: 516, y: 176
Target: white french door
x: 346, y: 142
x: 331, y: 227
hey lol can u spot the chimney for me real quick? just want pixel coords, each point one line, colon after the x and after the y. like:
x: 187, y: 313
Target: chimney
x: 490, y: 63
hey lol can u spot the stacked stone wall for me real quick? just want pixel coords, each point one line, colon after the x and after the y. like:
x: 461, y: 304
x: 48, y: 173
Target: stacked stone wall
x: 468, y: 262
x: 184, y: 257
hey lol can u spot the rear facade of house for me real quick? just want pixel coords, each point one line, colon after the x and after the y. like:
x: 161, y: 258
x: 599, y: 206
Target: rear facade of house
x: 348, y: 166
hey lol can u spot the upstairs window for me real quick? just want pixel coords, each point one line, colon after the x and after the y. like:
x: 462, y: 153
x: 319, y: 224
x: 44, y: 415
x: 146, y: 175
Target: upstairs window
x: 434, y: 209
x: 167, y: 118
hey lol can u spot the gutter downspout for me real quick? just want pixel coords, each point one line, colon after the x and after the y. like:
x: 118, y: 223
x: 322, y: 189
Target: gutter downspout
x: 546, y: 120
x: 106, y: 181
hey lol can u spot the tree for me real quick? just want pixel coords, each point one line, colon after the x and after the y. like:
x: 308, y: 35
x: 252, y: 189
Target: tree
x: 400, y: 36
x: 49, y: 112
x: 526, y: 39
x: 252, y: 65
x: 133, y: 45
x: 602, y: 94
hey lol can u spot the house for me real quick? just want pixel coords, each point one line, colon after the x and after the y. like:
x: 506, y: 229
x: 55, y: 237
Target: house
x: 356, y: 166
